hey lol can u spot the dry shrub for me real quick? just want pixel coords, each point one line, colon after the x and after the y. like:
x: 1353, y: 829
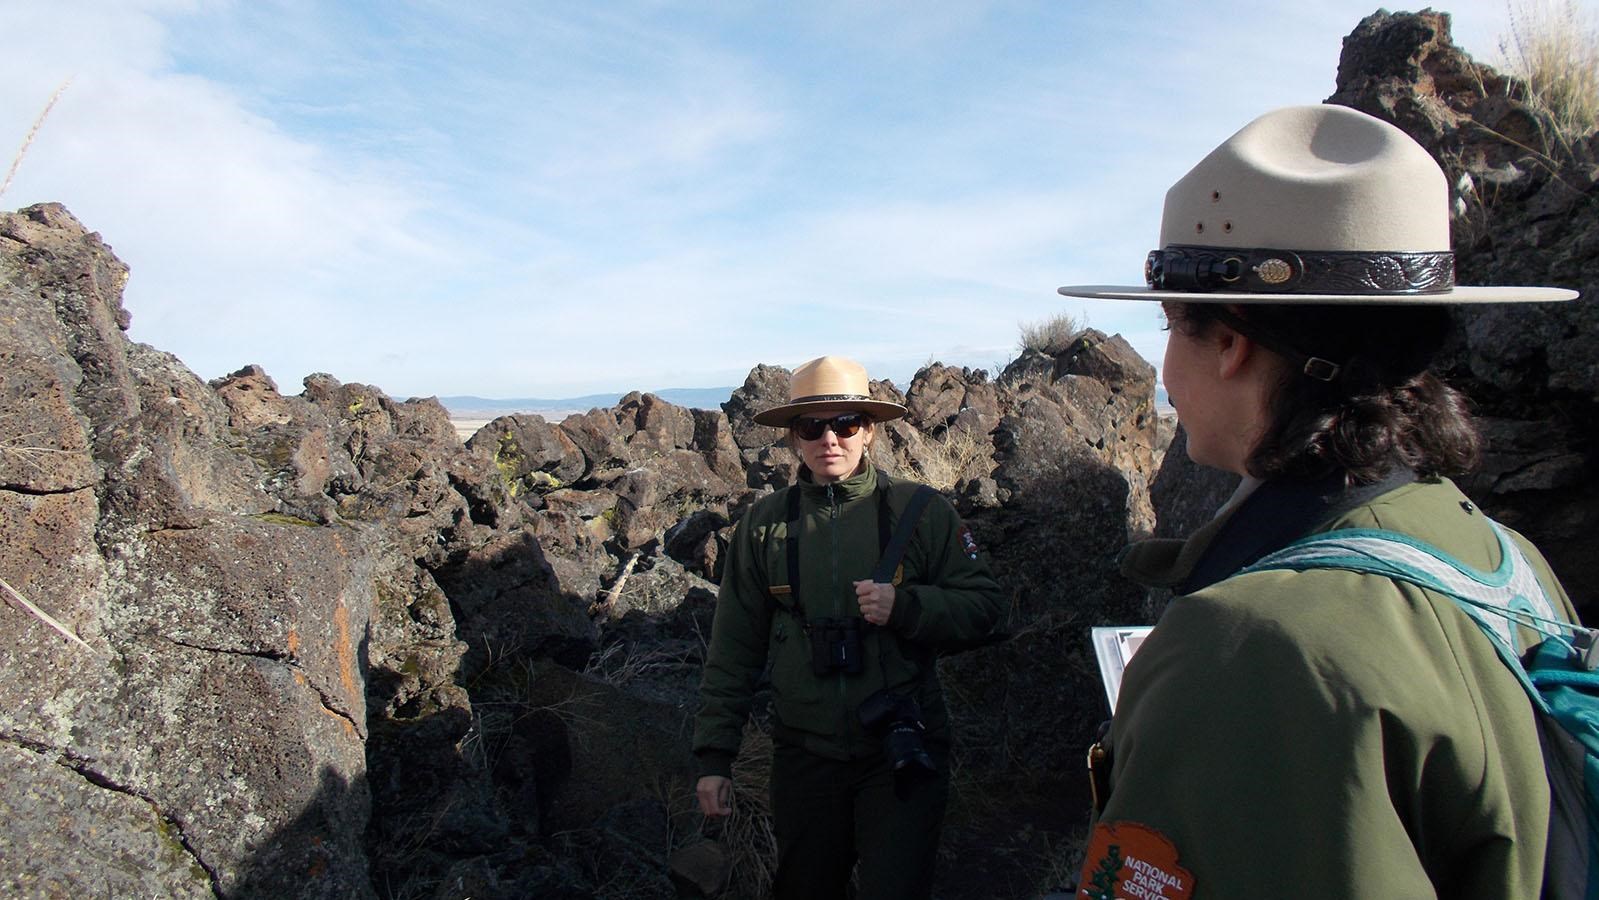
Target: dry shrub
x: 1553, y: 47
x: 1050, y: 336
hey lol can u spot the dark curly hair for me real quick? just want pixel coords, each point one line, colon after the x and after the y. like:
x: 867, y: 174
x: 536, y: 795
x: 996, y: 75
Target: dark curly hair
x: 1384, y: 408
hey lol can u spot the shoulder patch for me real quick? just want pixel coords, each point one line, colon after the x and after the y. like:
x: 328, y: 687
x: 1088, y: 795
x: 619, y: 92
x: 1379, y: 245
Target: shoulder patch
x: 1126, y: 860
x: 968, y: 542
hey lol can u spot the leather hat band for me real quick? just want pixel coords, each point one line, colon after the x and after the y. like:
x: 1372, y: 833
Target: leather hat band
x: 829, y: 398
x: 1198, y: 269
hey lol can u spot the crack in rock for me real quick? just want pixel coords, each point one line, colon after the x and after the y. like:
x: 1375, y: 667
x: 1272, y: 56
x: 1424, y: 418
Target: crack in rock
x: 327, y: 701
x: 76, y: 764
x: 27, y: 491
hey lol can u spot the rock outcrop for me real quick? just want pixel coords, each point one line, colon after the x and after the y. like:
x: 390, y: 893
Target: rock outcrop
x: 208, y: 734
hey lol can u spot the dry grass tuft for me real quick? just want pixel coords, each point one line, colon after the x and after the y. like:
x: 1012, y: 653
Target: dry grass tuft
x: 1050, y: 336
x: 621, y: 664
x: 16, y: 161
x: 747, y: 833
x: 1553, y: 47
x: 959, y: 453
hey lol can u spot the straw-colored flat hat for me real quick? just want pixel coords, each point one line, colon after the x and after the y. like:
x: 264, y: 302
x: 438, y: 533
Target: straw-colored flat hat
x: 1310, y: 204
x: 831, y: 383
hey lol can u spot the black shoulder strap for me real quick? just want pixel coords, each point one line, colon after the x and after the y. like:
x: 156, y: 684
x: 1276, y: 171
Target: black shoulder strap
x: 791, y: 550
x: 897, y: 545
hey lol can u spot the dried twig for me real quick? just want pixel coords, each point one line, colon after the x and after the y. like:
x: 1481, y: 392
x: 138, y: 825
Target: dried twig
x: 45, y: 617
x: 16, y: 161
x: 615, y: 592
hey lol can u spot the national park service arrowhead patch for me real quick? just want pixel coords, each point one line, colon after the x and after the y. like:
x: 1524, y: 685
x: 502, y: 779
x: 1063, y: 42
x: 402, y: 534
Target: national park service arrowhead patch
x: 1129, y: 861
x: 968, y: 541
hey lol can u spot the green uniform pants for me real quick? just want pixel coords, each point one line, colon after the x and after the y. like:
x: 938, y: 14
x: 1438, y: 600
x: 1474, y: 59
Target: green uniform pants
x: 828, y: 813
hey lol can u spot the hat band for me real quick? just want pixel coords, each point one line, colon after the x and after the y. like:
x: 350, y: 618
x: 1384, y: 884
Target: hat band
x: 829, y: 398
x: 1182, y: 267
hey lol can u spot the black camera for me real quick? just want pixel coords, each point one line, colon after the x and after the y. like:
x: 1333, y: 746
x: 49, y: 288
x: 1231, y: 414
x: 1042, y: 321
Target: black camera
x: 897, y: 719
x: 835, y: 645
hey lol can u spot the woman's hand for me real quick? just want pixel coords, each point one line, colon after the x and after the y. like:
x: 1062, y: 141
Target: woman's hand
x: 716, y: 795
x: 876, y: 600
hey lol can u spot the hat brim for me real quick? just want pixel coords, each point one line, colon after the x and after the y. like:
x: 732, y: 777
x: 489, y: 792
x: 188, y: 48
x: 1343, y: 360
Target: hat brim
x: 1488, y: 294
x: 781, y: 416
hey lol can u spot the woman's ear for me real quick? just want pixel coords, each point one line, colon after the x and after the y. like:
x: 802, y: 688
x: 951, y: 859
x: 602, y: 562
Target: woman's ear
x: 1233, y: 350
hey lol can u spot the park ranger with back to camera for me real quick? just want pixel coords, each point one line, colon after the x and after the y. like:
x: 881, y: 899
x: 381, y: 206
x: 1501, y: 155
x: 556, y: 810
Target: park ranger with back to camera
x: 847, y: 584
x: 1321, y: 731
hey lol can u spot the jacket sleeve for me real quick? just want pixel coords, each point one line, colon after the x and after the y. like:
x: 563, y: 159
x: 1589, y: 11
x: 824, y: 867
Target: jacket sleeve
x: 736, y: 655
x: 952, y: 597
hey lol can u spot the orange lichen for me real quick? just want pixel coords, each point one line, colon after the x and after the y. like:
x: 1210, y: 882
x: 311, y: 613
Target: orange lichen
x: 344, y: 648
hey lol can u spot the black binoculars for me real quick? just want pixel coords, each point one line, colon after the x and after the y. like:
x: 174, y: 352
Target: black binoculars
x: 835, y: 645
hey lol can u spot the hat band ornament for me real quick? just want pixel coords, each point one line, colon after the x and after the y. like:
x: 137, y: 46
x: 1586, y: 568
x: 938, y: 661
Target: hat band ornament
x: 1182, y: 267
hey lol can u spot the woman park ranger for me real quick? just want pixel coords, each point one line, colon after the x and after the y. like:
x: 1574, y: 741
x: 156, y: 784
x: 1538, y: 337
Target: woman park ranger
x: 1298, y: 730
x: 846, y: 584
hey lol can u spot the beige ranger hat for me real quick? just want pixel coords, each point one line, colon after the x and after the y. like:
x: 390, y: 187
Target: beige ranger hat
x: 830, y: 383
x: 1310, y: 204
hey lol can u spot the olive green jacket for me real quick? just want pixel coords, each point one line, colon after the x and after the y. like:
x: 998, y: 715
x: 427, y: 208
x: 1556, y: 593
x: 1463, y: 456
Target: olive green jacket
x: 1330, y: 734
x: 944, y: 595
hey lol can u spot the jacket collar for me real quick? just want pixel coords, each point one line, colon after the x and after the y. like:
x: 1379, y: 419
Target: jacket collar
x: 860, y: 484
x: 1253, y: 523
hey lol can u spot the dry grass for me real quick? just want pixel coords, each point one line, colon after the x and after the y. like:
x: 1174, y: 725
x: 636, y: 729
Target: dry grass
x: 747, y: 833
x: 1553, y: 46
x: 33, y: 132
x: 958, y: 453
x: 15, y: 597
x: 1050, y: 336
x: 621, y: 663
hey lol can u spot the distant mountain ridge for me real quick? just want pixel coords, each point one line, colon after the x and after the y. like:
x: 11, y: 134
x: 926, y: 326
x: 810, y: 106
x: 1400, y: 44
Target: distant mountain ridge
x: 693, y: 398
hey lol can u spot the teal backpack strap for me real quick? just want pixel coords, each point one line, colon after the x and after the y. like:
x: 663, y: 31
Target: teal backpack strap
x: 1496, y: 600
x: 1559, y: 673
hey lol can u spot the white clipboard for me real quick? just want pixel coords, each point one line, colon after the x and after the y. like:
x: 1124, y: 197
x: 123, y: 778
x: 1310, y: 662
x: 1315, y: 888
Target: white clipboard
x: 1114, y: 646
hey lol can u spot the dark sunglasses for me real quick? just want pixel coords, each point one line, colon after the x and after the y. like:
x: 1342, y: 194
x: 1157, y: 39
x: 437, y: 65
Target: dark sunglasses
x: 844, y: 426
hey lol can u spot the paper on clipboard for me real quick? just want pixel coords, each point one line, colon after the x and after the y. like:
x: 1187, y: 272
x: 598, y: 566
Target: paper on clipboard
x: 1115, y: 646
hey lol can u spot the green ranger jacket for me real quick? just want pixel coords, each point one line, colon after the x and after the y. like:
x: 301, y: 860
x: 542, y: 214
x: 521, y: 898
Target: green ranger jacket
x: 944, y: 595
x: 1325, y: 734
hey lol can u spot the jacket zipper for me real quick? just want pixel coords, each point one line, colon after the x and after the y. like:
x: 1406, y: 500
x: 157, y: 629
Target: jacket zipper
x: 832, y: 530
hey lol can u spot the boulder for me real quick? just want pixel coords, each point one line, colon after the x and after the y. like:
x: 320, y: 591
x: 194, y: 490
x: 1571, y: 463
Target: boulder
x: 215, y: 717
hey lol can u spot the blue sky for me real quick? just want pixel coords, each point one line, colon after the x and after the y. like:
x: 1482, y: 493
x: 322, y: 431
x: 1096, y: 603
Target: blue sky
x: 515, y: 199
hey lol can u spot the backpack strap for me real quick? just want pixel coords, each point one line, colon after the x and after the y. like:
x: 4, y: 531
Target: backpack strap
x: 1557, y: 674
x: 1497, y: 601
